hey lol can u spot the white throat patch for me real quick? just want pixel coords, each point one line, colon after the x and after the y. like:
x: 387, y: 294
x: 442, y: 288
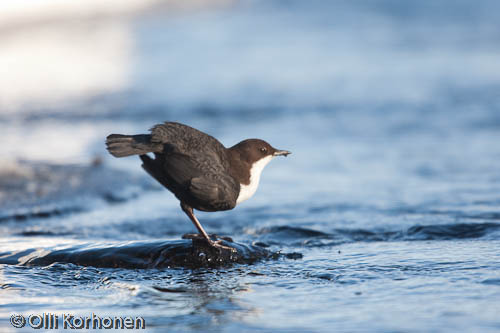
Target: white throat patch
x: 246, y: 191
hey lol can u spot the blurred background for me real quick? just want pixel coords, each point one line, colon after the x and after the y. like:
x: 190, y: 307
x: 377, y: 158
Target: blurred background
x: 391, y: 109
x: 372, y: 88
x: 86, y: 65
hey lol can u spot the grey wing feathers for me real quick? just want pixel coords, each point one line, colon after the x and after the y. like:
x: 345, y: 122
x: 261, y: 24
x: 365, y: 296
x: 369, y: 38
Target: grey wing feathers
x: 212, y: 190
x: 220, y: 193
x: 182, y: 138
x: 206, y: 191
x: 193, y: 165
x: 182, y: 168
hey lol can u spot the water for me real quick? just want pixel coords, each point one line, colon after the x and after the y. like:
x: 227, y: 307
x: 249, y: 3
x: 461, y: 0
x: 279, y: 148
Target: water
x: 391, y: 195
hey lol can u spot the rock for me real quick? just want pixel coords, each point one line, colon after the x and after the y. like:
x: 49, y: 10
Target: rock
x: 188, y: 253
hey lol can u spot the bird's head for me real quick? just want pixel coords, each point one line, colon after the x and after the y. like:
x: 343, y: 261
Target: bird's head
x: 255, y: 150
x: 251, y: 156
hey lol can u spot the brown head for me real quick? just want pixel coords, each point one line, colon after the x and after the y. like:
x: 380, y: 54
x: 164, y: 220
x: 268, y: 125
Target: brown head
x: 248, y: 159
x: 253, y: 150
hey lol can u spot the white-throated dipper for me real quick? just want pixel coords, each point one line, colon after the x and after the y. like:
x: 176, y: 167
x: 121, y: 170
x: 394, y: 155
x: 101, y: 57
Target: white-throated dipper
x: 197, y: 168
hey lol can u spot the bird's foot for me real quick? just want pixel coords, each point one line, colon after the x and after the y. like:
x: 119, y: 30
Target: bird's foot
x: 218, y: 244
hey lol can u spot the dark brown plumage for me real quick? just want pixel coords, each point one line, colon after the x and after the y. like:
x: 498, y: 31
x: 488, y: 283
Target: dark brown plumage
x: 196, y: 167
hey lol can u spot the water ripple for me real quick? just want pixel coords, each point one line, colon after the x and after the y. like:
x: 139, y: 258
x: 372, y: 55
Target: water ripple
x: 314, y: 238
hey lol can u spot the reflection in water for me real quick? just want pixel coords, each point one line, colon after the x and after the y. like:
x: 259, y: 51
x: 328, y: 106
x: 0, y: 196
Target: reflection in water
x: 213, y: 298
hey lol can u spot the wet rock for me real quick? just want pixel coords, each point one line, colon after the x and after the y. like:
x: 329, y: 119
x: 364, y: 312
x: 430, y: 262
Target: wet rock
x: 188, y: 253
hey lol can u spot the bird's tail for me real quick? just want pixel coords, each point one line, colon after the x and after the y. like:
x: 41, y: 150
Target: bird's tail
x: 120, y: 145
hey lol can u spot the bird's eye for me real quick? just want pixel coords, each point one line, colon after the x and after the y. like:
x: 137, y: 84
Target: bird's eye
x: 263, y: 150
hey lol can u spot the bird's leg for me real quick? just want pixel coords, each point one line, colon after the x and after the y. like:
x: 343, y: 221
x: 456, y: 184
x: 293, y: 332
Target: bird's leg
x: 189, y: 212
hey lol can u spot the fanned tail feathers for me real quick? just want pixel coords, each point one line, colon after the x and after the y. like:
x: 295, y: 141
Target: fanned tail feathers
x: 120, y: 145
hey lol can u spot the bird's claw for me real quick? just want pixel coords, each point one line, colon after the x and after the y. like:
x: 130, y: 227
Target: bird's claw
x: 218, y: 244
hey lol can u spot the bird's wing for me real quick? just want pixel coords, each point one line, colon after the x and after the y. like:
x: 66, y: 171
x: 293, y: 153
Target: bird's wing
x: 190, y: 165
x: 204, y: 178
x: 215, y: 192
x: 183, y: 139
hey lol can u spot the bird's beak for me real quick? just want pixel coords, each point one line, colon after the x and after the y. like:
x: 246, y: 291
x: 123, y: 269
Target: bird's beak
x: 281, y: 153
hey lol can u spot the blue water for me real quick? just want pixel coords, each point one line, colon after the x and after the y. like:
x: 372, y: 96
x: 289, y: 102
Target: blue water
x: 391, y: 195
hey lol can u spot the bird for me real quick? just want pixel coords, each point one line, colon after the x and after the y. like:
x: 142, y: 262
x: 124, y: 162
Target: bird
x: 199, y: 170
